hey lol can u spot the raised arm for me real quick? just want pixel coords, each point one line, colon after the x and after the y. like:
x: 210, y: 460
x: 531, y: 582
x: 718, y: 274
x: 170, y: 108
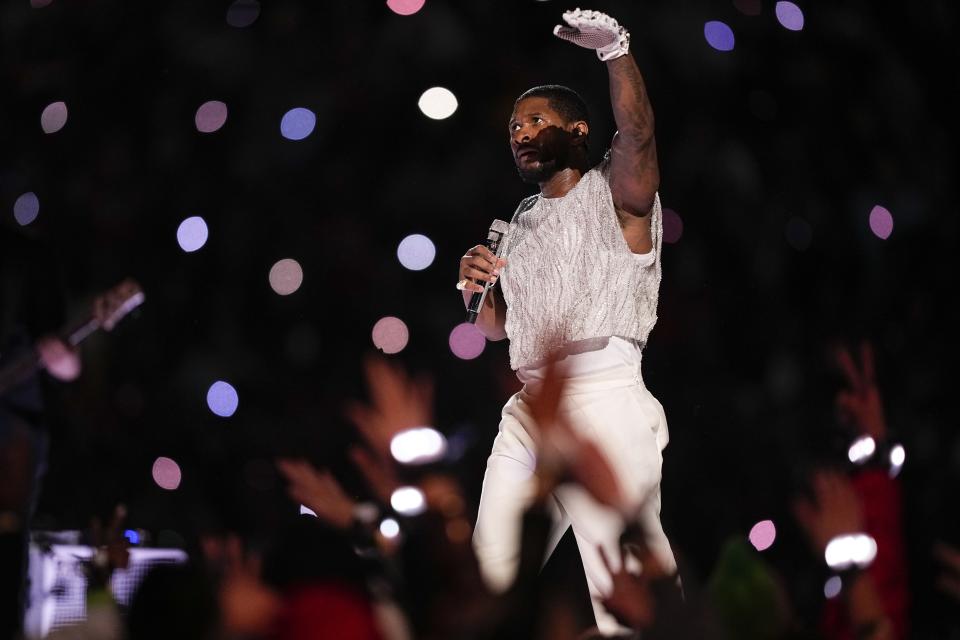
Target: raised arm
x: 634, y: 174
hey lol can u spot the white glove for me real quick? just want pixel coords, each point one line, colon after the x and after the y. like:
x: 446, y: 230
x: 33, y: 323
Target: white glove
x: 594, y: 30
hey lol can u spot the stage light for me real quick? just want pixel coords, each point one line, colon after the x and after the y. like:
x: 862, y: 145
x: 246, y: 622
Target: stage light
x: 799, y: 234
x: 789, y: 15
x: 881, y: 222
x: 466, y: 341
x: 408, y: 501
x: 849, y: 550
x: 405, y: 7
x: 26, y: 208
x: 672, y: 226
x: 53, y: 117
x: 210, y: 116
x: 243, y: 13
x: 222, y: 399
x: 861, y: 449
x: 418, y: 446
x: 832, y: 587
x: 437, y: 103
x: 390, y: 335
x: 416, y: 252
x: 748, y: 7
x: 763, y: 534
x: 286, y: 276
x: 297, y: 123
x: 192, y: 234
x: 166, y: 473
x: 897, y: 457
x: 718, y: 35
x: 389, y: 528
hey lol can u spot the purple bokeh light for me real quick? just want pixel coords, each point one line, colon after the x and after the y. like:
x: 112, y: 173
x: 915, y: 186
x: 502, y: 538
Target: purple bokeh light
x: 466, y: 341
x: 390, y: 334
x: 416, y: 252
x: 243, y: 13
x: 26, y: 208
x: 297, y: 123
x: 405, y: 7
x: 718, y: 35
x: 192, y: 233
x: 210, y: 116
x: 763, y: 534
x: 672, y: 226
x: 789, y: 15
x: 166, y: 473
x: 881, y: 222
x: 53, y: 117
x: 222, y: 399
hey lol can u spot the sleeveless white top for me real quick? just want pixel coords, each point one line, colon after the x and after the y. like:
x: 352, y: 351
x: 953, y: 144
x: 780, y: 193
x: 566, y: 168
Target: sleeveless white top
x: 570, y: 275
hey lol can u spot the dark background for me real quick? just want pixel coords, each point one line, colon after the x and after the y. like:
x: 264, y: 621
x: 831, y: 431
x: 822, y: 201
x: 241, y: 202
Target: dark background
x: 820, y: 125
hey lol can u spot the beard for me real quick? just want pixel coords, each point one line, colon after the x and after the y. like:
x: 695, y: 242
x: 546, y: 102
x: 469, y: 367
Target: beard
x: 539, y: 171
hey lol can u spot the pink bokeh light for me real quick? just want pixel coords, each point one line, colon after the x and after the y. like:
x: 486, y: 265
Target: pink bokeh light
x: 405, y: 7
x: 390, y: 334
x: 881, y: 222
x: 672, y: 226
x: 763, y: 534
x: 466, y: 341
x: 166, y: 473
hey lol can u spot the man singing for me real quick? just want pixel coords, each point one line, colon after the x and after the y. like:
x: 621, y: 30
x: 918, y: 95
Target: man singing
x: 581, y: 278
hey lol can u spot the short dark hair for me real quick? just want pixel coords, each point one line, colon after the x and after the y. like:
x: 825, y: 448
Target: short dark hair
x: 563, y: 100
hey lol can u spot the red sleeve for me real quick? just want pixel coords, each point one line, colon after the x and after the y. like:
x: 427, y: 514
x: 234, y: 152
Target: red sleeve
x: 880, y: 497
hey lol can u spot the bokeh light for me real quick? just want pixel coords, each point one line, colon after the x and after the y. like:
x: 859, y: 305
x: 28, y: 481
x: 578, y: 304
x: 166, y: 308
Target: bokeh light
x: 881, y: 222
x: 192, y: 234
x: 832, y: 587
x: 166, y: 473
x: 132, y: 536
x: 718, y: 35
x: 672, y: 226
x: 748, y: 7
x: 408, y: 501
x: 416, y: 252
x: 898, y: 456
x: 389, y: 528
x: 222, y: 399
x: 861, y: 449
x: 298, y: 123
x: 53, y: 117
x: 307, y: 511
x: 26, y: 208
x: 763, y: 534
x: 405, y: 7
x: 243, y: 13
x: 789, y: 15
x: 40, y: 4
x: 848, y: 550
x: 799, y: 234
x: 418, y: 446
x: 210, y: 116
x: 390, y: 334
x: 466, y: 341
x: 286, y: 276
x: 437, y: 103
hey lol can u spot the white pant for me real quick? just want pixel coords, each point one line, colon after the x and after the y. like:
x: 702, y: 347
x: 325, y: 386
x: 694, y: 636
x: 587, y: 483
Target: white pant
x: 611, y: 406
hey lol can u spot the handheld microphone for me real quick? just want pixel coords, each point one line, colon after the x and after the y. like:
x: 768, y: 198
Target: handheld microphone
x: 496, y: 243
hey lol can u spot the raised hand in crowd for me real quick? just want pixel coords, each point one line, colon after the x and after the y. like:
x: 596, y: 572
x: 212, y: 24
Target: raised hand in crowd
x: 319, y: 491
x: 859, y: 405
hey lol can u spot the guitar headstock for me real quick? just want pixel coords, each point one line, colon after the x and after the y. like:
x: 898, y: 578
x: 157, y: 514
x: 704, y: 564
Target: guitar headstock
x: 110, y: 307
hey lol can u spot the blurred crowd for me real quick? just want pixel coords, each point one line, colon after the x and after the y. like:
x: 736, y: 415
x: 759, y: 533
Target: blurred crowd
x: 370, y: 565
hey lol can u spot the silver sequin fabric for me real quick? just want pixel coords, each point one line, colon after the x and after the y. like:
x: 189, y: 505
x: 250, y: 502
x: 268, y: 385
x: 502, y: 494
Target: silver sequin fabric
x: 571, y: 276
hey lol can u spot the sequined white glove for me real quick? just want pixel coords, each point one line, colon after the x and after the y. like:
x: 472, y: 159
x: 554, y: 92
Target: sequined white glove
x: 594, y: 30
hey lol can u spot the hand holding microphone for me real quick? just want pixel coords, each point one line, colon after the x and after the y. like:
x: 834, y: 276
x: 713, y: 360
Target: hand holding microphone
x: 480, y: 267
